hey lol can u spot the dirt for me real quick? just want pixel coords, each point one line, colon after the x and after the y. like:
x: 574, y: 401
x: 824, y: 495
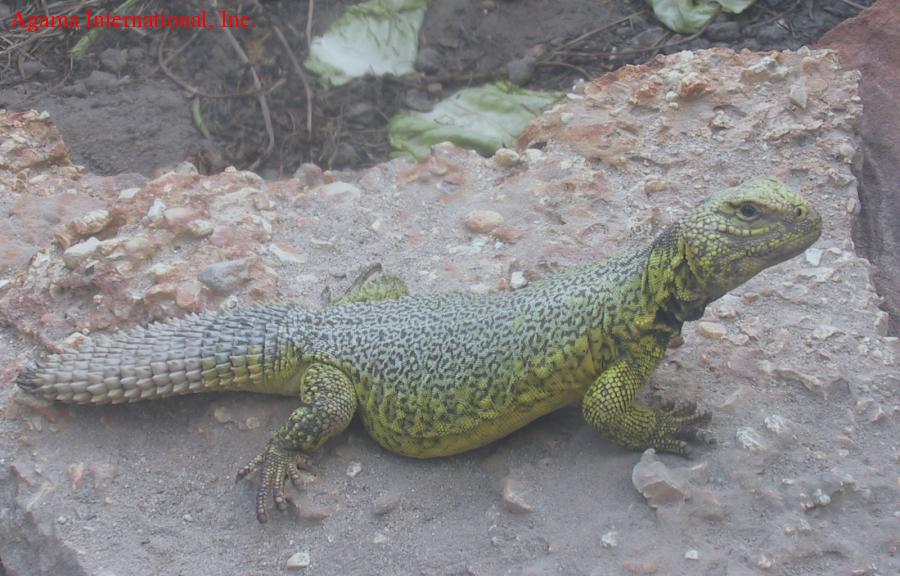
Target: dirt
x: 139, y: 120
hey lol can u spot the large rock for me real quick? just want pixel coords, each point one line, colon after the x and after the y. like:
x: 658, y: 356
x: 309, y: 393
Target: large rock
x: 871, y: 43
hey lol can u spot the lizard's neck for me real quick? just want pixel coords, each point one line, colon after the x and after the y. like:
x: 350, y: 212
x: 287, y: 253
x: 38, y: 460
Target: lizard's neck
x: 669, y: 283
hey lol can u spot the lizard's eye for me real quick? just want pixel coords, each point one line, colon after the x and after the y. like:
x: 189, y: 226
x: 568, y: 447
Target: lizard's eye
x: 748, y: 212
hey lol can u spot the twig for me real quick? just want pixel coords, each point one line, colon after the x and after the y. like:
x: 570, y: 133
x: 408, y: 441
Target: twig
x: 260, y: 96
x: 297, y: 70
x: 854, y: 5
x: 82, y: 46
x: 198, y: 118
x: 163, y: 64
x: 587, y: 35
x: 578, y: 69
x: 311, y: 8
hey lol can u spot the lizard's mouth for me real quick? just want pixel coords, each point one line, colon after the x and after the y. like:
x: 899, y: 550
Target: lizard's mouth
x: 798, y: 237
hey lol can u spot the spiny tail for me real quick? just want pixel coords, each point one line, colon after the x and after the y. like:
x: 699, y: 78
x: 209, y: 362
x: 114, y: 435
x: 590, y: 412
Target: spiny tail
x: 251, y: 349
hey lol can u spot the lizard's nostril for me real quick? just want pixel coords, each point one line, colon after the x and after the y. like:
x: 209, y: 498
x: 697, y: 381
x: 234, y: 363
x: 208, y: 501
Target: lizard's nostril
x: 800, y: 212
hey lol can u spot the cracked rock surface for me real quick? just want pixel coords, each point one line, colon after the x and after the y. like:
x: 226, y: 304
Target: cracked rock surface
x: 797, y: 364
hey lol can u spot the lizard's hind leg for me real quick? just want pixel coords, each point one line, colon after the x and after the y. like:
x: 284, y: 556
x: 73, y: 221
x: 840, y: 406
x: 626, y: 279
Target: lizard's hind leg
x: 329, y: 401
x: 373, y: 285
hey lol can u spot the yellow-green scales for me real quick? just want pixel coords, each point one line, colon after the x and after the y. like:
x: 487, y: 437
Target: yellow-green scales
x: 438, y: 374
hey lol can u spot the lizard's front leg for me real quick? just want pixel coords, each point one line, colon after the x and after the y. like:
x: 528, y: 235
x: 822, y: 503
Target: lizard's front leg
x: 610, y: 406
x: 329, y: 401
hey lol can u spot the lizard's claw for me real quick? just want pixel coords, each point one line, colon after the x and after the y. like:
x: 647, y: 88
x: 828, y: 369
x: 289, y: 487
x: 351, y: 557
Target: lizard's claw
x: 678, y: 424
x: 274, y: 464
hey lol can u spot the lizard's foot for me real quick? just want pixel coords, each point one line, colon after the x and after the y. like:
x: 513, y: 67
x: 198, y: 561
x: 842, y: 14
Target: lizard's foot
x: 274, y: 464
x: 678, y: 424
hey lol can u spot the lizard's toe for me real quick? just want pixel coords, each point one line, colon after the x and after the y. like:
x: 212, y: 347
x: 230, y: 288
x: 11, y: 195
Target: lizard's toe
x: 274, y: 464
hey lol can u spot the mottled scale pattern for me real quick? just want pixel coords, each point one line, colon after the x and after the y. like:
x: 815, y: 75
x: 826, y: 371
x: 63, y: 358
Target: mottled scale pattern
x: 439, y: 374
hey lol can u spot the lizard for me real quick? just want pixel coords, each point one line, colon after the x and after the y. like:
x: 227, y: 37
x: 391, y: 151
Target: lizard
x: 438, y: 374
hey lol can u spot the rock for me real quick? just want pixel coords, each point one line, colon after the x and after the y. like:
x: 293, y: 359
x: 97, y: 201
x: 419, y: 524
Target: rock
x: 520, y: 70
x: 870, y: 43
x: 514, y: 498
x: 114, y: 59
x: 777, y: 424
x: 309, y: 175
x: 610, y: 539
x: 517, y: 280
x: 646, y: 567
x: 749, y: 439
x: 286, y: 253
x: 156, y: 211
x: 179, y: 216
x: 418, y: 100
x: 100, y: 80
x: 656, y: 482
x: 200, y: 228
x: 91, y: 223
x: 75, y: 255
x: 712, y: 330
x: 429, y: 61
x: 386, y: 503
x: 353, y: 469
x: 224, y: 277
x: 506, y: 158
x: 482, y: 221
x: 298, y: 561
x: 692, y: 554
x: 797, y: 96
x: 379, y: 538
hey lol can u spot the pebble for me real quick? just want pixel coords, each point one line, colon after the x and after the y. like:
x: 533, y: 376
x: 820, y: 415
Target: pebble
x: 610, y: 539
x: 386, y: 503
x: 506, y: 158
x: 128, y: 193
x: 656, y: 482
x: 353, y: 469
x: 647, y: 567
x: 224, y: 277
x: 429, y: 61
x: 520, y: 70
x: 114, y: 59
x: 749, y: 439
x: 517, y: 280
x: 92, y: 222
x: 797, y: 96
x: 379, y: 538
x: 156, y: 211
x: 482, y: 221
x: 100, y: 80
x: 712, y: 330
x: 514, y: 498
x: 298, y: 561
x: 179, y: 216
x: 80, y: 252
x: 776, y: 424
x: 200, y: 228
x: 692, y: 554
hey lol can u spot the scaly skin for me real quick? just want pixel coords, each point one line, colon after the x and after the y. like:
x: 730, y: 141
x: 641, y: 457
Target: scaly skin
x: 440, y: 374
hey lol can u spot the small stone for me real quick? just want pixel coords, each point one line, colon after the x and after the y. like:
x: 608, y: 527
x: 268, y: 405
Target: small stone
x: 429, y: 61
x: 100, y: 80
x: 824, y: 331
x: 379, y: 538
x: 114, y: 59
x: 224, y: 277
x: 187, y: 518
x: 200, y: 228
x: 311, y: 511
x: 309, y: 175
x: 128, y: 193
x: 764, y: 562
x: 80, y: 252
x: 813, y: 256
x: 156, y: 211
x: 298, y: 561
x: 61, y: 520
x: 353, y: 469
x: 749, y: 439
x: 514, y: 497
x: 506, y: 158
x: 222, y: 415
x: 179, y: 216
x: 797, y: 96
x: 92, y: 222
x: 386, y: 503
x: 508, y: 234
x: 610, y: 539
x: 692, y: 554
x: 517, y: 280
x: 520, y: 70
x: 482, y: 221
x: 712, y: 330
x: 286, y: 253
x: 656, y: 482
x: 647, y: 567
x: 776, y: 424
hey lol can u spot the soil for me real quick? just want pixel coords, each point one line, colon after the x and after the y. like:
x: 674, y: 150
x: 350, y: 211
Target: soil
x: 131, y: 117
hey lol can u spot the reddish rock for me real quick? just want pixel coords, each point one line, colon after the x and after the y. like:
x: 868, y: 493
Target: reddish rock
x: 871, y: 43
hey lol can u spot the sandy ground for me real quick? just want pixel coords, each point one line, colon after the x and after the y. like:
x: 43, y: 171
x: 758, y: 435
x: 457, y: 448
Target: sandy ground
x: 795, y: 364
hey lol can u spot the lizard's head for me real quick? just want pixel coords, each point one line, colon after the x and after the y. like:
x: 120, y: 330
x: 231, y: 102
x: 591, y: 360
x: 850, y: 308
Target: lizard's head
x: 741, y: 231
